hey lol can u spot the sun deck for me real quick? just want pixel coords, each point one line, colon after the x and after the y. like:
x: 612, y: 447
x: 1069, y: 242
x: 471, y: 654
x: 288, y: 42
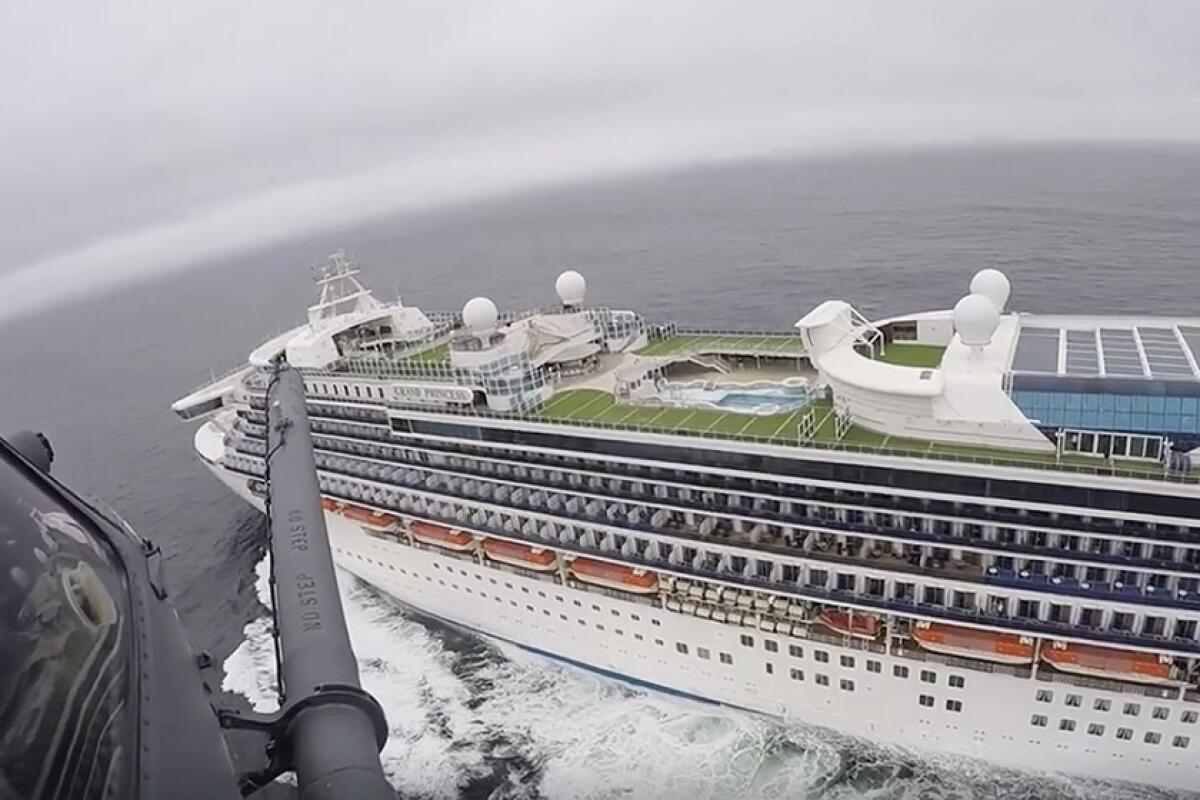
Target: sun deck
x: 699, y: 342
x: 926, y: 356
x: 599, y: 408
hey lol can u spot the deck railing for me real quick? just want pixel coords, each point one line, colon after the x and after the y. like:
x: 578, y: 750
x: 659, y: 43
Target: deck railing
x: 992, y: 576
x: 848, y: 598
x: 385, y: 454
x: 793, y: 441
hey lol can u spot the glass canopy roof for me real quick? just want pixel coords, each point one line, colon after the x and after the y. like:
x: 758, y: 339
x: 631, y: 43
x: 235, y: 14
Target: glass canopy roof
x: 1150, y: 352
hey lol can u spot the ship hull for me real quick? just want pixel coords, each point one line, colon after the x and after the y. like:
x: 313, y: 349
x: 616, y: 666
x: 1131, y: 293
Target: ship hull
x: 654, y: 647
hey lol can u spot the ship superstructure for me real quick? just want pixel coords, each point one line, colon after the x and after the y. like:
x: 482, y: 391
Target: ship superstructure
x: 972, y: 531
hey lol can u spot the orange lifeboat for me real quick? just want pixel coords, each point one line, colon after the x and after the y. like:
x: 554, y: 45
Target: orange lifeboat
x: 519, y: 555
x: 1109, y: 662
x: 368, y: 518
x: 329, y: 504
x: 860, y: 626
x: 951, y: 640
x: 614, y: 576
x: 439, y: 536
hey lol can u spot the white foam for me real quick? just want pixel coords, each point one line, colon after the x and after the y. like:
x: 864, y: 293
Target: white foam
x: 435, y: 743
x: 250, y: 669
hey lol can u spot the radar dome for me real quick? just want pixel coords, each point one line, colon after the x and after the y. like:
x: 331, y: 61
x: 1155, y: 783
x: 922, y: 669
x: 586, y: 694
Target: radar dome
x: 571, y: 287
x: 992, y: 284
x: 480, y: 315
x: 975, y: 320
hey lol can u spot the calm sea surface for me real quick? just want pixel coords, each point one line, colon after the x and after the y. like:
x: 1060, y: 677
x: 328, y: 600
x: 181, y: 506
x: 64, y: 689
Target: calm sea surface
x: 751, y: 245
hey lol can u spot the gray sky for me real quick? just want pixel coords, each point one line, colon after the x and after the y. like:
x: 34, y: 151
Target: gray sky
x: 138, y: 137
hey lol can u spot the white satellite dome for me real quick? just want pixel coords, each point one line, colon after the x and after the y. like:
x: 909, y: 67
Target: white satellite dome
x: 480, y: 315
x: 994, y: 285
x: 571, y: 287
x: 975, y: 320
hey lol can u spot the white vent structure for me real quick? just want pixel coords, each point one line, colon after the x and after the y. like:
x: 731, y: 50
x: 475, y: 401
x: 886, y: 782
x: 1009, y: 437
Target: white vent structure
x: 994, y: 285
x: 571, y: 288
x: 975, y: 320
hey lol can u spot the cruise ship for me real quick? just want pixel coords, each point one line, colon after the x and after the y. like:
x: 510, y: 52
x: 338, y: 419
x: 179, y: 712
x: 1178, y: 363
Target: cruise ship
x: 971, y: 531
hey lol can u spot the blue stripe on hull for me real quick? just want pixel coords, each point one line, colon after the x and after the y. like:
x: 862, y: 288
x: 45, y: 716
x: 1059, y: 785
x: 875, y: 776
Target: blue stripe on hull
x: 607, y: 673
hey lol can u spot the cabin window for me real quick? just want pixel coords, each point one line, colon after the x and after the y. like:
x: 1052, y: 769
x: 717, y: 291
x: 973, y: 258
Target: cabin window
x: 771, y: 646
x: 726, y: 658
x: 1181, y: 741
x: 1152, y: 738
x: 1125, y: 734
x: 1044, y: 696
x: 1159, y: 712
x: 1189, y: 717
x: 747, y: 641
x: 704, y: 653
x: 1038, y: 721
x: 681, y: 647
x: 659, y: 642
x: 822, y: 680
x: 795, y: 651
x: 926, y: 700
x: 928, y: 676
x: 1074, y: 700
x: 1132, y: 709
x: 957, y: 681
x: 847, y: 686
x: 1095, y: 729
x: 874, y: 666
x: 770, y: 668
x: 848, y: 662
x: 954, y: 705
x: 655, y: 622
x: 1101, y: 704
x: 797, y: 674
x: 900, y: 671
x: 821, y: 656
x: 1066, y: 725
x: 563, y: 617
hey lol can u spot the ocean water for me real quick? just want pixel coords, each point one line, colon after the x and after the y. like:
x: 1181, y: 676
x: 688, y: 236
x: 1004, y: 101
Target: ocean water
x: 746, y: 245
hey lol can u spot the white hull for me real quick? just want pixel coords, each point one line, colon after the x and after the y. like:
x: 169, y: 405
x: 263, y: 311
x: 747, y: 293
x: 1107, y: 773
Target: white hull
x: 621, y: 637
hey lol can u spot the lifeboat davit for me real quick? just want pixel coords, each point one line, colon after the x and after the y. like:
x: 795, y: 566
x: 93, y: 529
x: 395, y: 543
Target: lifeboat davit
x: 951, y: 640
x: 371, y: 519
x: 440, y: 536
x: 1109, y: 662
x: 860, y: 626
x: 614, y: 576
x: 519, y: 555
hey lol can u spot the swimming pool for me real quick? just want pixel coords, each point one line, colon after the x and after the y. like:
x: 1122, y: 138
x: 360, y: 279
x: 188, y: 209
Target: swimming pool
x: 760, y: 397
